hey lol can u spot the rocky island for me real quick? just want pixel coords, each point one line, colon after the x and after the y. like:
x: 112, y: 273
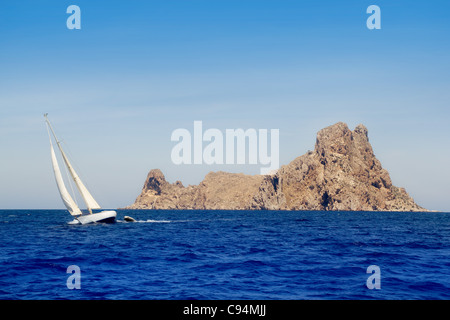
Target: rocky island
x: 342, y: 173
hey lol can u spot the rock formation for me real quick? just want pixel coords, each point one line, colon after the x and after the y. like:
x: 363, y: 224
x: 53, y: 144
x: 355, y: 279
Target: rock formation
x: 342, y: 173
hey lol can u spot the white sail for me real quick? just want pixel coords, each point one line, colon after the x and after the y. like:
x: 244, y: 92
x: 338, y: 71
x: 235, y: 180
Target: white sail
x: 87, y: 197
x: 65, y: 196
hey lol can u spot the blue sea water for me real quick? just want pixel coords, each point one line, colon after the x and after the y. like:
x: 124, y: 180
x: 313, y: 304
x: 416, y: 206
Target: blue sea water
x: 226, y: 255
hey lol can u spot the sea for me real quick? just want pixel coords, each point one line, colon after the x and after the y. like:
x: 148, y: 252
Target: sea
x: 226, y: 255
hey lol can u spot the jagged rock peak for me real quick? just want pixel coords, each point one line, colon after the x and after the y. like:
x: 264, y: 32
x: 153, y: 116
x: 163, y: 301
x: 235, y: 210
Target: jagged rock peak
x: 361, y: 129
x: 155, y: 180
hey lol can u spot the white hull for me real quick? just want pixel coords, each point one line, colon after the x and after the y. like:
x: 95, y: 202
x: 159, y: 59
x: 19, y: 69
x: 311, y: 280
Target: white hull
x: 104, y: 216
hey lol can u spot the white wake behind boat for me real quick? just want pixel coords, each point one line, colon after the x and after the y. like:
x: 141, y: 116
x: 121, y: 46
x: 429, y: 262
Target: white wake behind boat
x: 107, y: 216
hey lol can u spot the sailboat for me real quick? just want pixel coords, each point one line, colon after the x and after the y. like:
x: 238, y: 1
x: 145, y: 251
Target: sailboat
x: 107, y: 216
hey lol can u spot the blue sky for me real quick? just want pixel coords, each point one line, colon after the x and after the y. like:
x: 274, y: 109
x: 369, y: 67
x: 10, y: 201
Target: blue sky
x: 137, y: 70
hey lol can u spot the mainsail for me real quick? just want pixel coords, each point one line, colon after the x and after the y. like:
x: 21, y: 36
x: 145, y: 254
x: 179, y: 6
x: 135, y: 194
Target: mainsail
x: 65, y: 196
x: 86, y: 195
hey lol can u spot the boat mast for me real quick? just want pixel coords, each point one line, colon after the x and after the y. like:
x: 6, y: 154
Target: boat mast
x: 65, y: 196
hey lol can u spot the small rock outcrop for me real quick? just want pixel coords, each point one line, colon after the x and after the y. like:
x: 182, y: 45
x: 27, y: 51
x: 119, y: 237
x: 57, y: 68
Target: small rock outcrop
x: 342, y: 173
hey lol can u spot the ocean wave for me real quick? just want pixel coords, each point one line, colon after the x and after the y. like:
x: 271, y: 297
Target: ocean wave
x: 145, y: 221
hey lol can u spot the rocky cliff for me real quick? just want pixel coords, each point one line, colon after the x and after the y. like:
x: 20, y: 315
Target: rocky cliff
x: 342, y: 173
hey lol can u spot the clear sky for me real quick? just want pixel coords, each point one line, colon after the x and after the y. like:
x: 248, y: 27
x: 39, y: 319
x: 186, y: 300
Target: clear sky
x: 137, y: 70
